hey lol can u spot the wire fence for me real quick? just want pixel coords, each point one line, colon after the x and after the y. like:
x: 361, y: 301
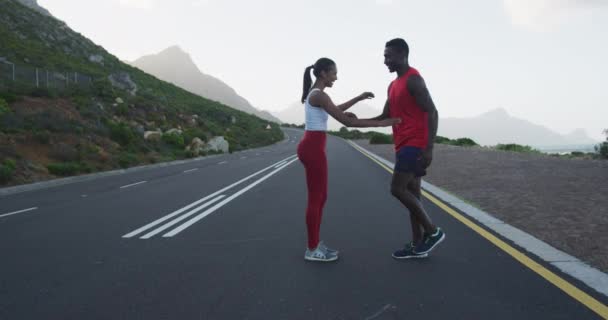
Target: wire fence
x: 27, y: 76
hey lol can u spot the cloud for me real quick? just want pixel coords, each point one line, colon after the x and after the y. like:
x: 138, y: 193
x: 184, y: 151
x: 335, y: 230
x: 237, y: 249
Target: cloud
x: 385, y: 2
x: 137, y: 4
x: 542, y: 15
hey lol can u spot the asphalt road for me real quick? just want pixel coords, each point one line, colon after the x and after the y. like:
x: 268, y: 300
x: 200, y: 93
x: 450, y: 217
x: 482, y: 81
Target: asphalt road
x: 224, y: 238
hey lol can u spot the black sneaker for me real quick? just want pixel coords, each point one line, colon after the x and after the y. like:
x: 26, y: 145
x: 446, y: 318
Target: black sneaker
x: 430, y: 241
x: 408, y: 253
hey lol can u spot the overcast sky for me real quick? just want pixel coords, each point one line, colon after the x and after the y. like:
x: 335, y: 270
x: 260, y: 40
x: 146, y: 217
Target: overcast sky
x: 541, y: 60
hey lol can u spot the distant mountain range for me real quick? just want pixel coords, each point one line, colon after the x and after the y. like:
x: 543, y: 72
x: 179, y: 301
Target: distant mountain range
x: 489, y: 128
x: 176, y: 66
x: 497, y: 126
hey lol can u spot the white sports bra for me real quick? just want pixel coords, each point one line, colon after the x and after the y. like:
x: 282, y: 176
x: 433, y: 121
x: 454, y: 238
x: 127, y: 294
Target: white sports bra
x: 316, y: 117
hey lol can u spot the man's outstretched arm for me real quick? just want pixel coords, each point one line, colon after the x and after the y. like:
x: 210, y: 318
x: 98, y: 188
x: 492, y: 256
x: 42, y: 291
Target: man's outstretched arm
x: 386, y: 111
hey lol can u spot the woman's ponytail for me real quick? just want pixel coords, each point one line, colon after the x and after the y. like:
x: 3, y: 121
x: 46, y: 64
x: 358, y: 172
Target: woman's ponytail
x: 307, y: 83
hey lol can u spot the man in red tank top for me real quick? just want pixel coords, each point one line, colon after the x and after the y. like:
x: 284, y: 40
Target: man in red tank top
x: 409, y: 100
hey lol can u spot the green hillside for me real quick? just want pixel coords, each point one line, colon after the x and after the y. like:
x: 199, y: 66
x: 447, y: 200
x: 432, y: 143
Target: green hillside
x: 74, y: 108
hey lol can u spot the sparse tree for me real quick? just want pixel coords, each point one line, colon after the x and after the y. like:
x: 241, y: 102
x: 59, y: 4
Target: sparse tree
x: 602, y: 148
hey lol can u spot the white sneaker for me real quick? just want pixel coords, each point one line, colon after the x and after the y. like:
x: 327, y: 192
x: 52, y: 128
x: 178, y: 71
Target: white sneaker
x: 319, y: 254
x: 328, y: 249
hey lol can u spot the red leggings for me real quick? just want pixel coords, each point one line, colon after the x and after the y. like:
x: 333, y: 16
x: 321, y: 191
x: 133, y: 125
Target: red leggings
x: 311, y: 152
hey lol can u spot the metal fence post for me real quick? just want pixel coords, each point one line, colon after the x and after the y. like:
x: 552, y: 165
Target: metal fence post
x: 37, y: 78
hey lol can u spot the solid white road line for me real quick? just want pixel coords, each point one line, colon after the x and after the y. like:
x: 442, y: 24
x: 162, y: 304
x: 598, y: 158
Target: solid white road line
x: 221, y: 204
x: 17, y: 212
x: 180, y: 218
x: 280, y: 164
x: 133, y: 184
x: 173, y: 214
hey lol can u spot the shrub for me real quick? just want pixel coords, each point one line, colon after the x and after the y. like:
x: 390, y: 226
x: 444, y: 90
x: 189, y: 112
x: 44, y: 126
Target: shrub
x: 380, y: 138
x: 121, y: 133
x: 354, y: 134
x: 464, y: 142
x: 81, y: 102
x: 64, y: 168
x: 122, y: 110
x: 43, y: 93
x: 4, y: 107
x: 602, y: 148
x: 64, y: 152
x: 461, y: 142
x: 51, y: 120
x: 7, y: 169
x: 127, y: 159
x: 192, y: 133
x: 174, y: 139
x: 516, y: 148
x: 442, y: 140
x: 8, y: 97
x: 42, y: 137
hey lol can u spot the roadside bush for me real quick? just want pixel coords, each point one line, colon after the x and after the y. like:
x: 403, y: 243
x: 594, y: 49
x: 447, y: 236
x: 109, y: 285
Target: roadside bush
x: 461, y: 142
x: 127, y: 159
x: 353, y: 134
x: 192, y: 133
x: 9, y: 97
x: 464, y: 142
x: 174, y: 139
x: 516, y: 148
x: 81, y: 102
x: 50, y: 120
x: 442, y: 140
x: 602, y: 148
x: 43, y: 93
x: 64, y: 152
x: 121, y: 133
x: 7, y: 170
x: 42, y: 137
x: 64, y: 168
x: 380, y: 138
x: 122, y: 110
x: 4, y: 109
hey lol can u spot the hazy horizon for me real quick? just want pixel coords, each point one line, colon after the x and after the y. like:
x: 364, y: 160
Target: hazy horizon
x: 541, y: 60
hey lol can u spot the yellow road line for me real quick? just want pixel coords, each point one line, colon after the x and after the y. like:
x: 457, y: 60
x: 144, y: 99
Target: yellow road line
x: 582, y: 297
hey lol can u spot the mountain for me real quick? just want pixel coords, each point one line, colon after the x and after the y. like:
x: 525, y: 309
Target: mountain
x: 33, y: 4
x: 294, y: 114
x: 579, y: 136
x: 176, y: 66
x: 497, y: 126
x: 68, y: 107
x: 490, y: 128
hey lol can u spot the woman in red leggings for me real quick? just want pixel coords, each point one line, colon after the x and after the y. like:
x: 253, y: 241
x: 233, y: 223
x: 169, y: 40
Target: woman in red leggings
x: 311, y: 149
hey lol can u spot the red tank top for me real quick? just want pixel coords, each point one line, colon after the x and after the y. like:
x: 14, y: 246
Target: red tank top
x: 413, y: 131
